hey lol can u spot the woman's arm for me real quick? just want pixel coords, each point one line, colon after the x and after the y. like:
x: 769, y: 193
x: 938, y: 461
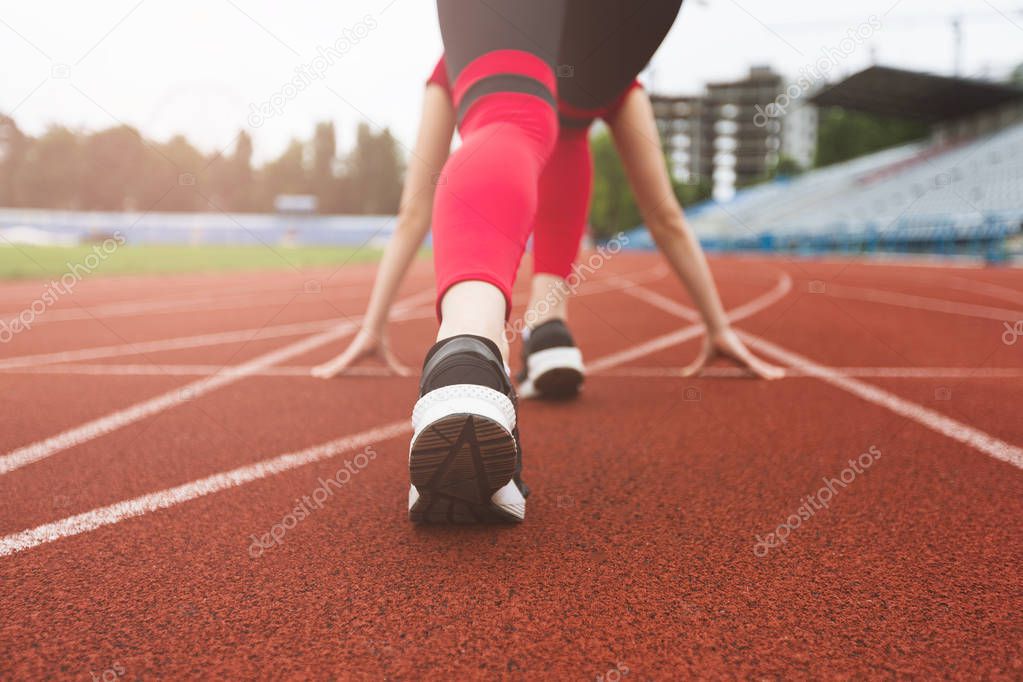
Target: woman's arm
x: 639, y: 146
x: 433, y: 144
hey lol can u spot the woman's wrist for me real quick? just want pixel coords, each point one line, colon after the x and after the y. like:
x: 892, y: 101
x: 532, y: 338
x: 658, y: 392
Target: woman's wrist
x: 374, y: 330
x: 715, y: 329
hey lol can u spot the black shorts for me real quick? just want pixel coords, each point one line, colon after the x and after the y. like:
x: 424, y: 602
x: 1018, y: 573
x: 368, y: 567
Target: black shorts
x: 596, y: 48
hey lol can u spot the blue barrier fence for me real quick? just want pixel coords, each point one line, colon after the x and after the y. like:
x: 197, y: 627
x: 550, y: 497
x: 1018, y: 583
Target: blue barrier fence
x: 943, y: 235
x: 201, y: 228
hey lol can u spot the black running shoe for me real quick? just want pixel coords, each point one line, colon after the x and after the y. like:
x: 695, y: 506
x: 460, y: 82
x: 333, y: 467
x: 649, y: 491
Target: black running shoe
x: 552, y: 366
x: 465, y: 460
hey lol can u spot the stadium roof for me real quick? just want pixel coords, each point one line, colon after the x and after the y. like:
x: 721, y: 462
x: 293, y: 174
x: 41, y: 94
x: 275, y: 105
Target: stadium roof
x: 913, y: 95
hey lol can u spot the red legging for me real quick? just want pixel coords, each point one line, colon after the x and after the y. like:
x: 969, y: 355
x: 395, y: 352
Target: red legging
x: 487, y: 192
x: 564, y: 193
x: 500, y: 55
x: 565, y: 188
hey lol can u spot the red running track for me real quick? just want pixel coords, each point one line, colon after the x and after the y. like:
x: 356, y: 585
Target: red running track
x: 678, y: 527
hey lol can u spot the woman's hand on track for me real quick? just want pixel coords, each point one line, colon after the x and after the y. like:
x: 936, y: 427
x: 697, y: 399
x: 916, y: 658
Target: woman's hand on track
x: 366, y: 344
x: 727, y: 344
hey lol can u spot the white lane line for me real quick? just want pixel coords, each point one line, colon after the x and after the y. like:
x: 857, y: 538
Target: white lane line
x: 939, y: 305
x: 138, y: 506
x: 76, y: 436
x: 180, y: 284
x: 179, y: 343
x: 240, y: 301
x: 245, y: 335
x: 646, y: 348
x: 181, y: 305
x: 162, y: 499
x: 986, y: 289
x: 935, y: 421
x: 860, y: 372
x: 778, y: 292
x: 303, y: 371
x: 98, y: 427
x: 186, y: 370
x: 624, y: 281
x: 946, y: 280
x: 183, y: 342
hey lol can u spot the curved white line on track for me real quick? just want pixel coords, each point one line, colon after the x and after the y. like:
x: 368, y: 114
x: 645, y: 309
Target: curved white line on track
x: 989, y: 289
x: 115, y: 513
x: 98, y: 427
x: 765, y: 300
x: 946, y: 426
x: 938, y: 305
x: 253, y: 334
x: 946, y: 280
x: 935, y: 421
x: 110, y: 422
x: 111, y: 514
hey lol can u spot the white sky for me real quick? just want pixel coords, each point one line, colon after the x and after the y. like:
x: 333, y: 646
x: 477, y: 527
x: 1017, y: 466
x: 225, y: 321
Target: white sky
x: 196, y: 66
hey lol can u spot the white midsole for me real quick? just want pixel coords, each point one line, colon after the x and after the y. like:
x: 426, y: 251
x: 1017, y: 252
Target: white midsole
x: 543, y: 361
x: 565, y: 357
x: 510, y: 500
x: 463, y: 399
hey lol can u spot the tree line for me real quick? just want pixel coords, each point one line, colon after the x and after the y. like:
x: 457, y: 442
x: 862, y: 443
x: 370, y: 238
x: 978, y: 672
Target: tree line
x: 118, y: 169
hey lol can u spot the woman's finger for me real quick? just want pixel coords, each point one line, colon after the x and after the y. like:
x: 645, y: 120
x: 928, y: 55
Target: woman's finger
x: 701, y: 361
x: 738, y: 352
x: 339, y: 364
x: 394, y: 364
x: 764, y: 370
x: 327, y: 370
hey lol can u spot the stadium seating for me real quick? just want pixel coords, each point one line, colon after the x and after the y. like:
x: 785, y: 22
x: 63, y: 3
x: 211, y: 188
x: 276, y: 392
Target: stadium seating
x: 921, y: 196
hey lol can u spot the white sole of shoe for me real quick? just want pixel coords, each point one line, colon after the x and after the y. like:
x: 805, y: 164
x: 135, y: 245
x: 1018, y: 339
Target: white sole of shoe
x: 462, y: 457
x: 553, y: 374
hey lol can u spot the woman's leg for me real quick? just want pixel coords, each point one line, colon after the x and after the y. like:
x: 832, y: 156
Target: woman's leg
x: 464, y: 461
x: 552, y: 366
x: 501, y: 57
x: 565, y: 189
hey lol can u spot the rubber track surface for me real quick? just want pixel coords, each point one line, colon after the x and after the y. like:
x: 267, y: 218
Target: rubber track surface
x: 639, y: 555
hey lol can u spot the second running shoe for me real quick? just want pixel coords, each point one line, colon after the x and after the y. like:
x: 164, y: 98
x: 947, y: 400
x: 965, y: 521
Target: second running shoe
x: 552, y: 366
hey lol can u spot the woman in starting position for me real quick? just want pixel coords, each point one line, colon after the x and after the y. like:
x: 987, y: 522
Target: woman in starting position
x: 522, y: 166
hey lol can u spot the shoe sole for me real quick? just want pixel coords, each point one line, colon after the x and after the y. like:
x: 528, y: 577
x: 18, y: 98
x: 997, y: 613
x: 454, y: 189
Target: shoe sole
x: 461, y: 462
x: 555, y: 374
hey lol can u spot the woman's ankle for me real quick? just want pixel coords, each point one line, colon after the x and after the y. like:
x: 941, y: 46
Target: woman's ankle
x: 477, y: 308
